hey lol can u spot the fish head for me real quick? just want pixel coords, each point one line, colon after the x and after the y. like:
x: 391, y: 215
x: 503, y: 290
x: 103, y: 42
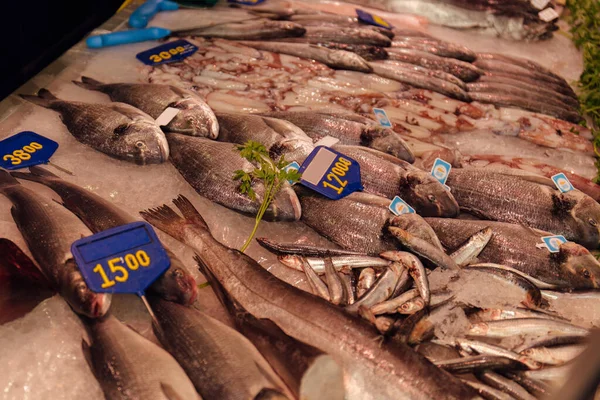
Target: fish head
x: 176, y: 285
x: 194, y: 118
x: 143, y: 141
x: 428, y: 196
x: 348, y: 60
x: 285, y: 205
x: 387, y: 141
x: 291, y: 261
x: 587, y: 214
x: 81, y: 297
x: 581, y: 266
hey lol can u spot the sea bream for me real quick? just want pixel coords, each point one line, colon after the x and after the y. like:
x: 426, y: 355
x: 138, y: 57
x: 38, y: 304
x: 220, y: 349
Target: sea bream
x: 49, y: 230
x: 504, y: 197
x: 195, y: 118
x: 98, y: 214
x: 372, y: 370
x: 116, y: 129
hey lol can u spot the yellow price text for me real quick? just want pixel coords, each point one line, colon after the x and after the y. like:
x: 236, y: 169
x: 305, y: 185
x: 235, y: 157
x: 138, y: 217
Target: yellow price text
x: 20, y: 155
x: 165, y: 55
x: 380, y: 21
x: 133, y: 262
x: 339, y: 170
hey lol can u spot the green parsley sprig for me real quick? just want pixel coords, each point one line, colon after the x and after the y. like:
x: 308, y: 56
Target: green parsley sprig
x: 270, y: 172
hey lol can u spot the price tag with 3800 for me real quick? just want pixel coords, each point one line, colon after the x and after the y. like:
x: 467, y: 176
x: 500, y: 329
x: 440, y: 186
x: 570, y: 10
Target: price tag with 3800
x: 26, y: 149
x: 17, y: 156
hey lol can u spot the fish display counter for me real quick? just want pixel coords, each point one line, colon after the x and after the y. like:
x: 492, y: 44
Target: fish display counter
x: 303, y: 200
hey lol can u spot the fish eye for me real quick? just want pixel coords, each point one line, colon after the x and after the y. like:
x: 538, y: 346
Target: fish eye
x: 431, y: 198
x: 586, y: 274
x: 593, y: 222
x: 139, y: 143
x: 178, y: 273
x: 121, y: 129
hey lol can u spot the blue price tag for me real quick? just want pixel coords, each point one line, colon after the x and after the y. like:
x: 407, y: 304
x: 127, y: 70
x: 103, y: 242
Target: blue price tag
x: 553, y: 242
x: 562, y: 182
x: 170, y: 52
x: 293, y: 166
x: 399, y: 207
x: 372, y: 19
x: 441, y: 170
x: 382, y: 117
x: 330, y: 173
x: 26, y: 149
x: 246, y: 2
x: 125, y: 259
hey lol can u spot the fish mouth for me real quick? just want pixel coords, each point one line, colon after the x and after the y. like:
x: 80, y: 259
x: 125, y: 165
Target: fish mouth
x: 285, y: 207
x: 189, y: 291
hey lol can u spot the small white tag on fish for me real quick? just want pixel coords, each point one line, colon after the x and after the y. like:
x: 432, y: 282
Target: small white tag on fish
x: 327, y: 141
x: 440, y: 170
x: 553, y: 242
x: 540, y: 4
x: 291, y: 166
x: 167, y: 116
x: 382, y: 117
x: 562, y: 182
x: 548, y: 14
x: 399, y: 207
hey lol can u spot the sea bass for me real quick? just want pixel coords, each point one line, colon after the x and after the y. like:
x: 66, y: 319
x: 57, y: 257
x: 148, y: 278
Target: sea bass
x: 519, y: 247
x: 176, y: 284
x: 117, y: 129
x: 509, y: 198
x: 195, y: 118
x: 129, y: 366
x: 49, y: 230
x: 372, y: 370
x: 210, y: 166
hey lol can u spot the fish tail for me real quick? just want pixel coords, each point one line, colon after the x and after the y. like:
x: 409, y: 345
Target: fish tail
x: 44, y: 98
x: 165, y: 219
x: 7, y: 180
x: 36, y: 174
x: 189, y: 211
x: 89, y: 83
x: 15, y: 264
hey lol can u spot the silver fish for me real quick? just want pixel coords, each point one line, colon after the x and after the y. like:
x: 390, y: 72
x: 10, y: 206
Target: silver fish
x: 423, y: 248
x: 49, y: 230
x: 488, y: 392
x: 469, y: 251
x: 209, y: 167
x: 366, y: 279
x: 334, y: 284
x: 302, y: 249
x: 129, y: 366
x: 213, y: 355
x: 490, y: 349
x: 247, y: 30
x: 417, y: 303
x: 372, y: 370
x: 524, y: 326
x: 391, y: 306
x: 533, y: 386
x: 339, y: 262
x: 507, y: 198
x: 117, y: 129
x: 337, y: 59
x: 98, y: 214
x: 505, y: 385
x: 554, y: 355
x: 477, y: 363
x: 414, y: 224
x: 195, y: 118
x: 318, y: 125
x: 539, y: 284
x: 316, y: 284
x: 381, y: 289
x: 415, y: 269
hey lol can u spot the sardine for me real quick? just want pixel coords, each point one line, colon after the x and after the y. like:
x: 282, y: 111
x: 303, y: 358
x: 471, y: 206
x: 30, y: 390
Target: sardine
x: 557, y: 375
x: 436, y: 352
x: 469, y: 250
x: 195, y: 118
x: 524, y: 326
x: 505, y: 385
x: 318, y: 287
x: 533, y: 297
x: 339, y: 262
x: 539, y: 284
x: 507, y: 198
x: 116, y: 129
x: 417, y: 304
x: 212, y: 354
x: 471, y: 346
x: 415, y: 269
x: 302, y: 249
x: 423, y: 248
x: 209, y: 168
x: 381, y: 289
x: 247, y: 30
x: 387, y: 176
x: 465, y: 71
x: 414, y: 224
x: 337, y: 59
x: 550, y: 342
x: 366, y: 279
x: 495, y: 314
x: 372, y: 370
x: 533, y: 386
x: 98, y: 214
x: 554, y: 355
x: 435, y: 46
x: 337, y: 290
x: 488, y: 392
x: 391, y: 306
x: 49, y: 230
x: 418, y: 79
x: 129, y: 366
x: 516, y: 246
x: 477, y: 363
x: 317, y: 126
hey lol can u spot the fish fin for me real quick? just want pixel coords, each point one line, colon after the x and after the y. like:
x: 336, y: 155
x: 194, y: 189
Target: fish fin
x: 165, y: 219
x: 16, y: 264
x: 128, y: 111
x: 477, y: 213
x: 44, y: 98
x: 36, y: 174
x: 189, y: 211
x: 87, y: 354
x: 232, y: 306
x: 170, y: 392
x: 7, y: 180
x: 89, y: 83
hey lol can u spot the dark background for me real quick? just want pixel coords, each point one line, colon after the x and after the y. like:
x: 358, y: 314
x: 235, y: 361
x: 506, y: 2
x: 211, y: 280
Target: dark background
x: 36, y: 32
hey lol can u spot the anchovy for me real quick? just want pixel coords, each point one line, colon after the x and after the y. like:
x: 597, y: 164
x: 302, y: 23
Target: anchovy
x: 49, y: 230
x: 539, y: 284
x: 98, y: 214
x: 213, y: 355
x: 316, y: 284
x: 414, y: 224
x: 465, y: 71
x: 488, y: 392
x: 505, y: 385
x: 247, y: 30
x: 512, y: 199
x: 535, y: 387
x: 391, y: 306
x: 317, y: 126
x: 389, y: 370
x: 337, y: 59
x: 493, y: 350
x: 116, y: 129
x: 533, y: 297
x: 477, y: 363
x: 554, y: 355
x: 366, y: 279
x: 418, y: 79
x: 550, y: 342
x: 415, y: 269
x: 435, y: 352
x: 557, y: 375
x: 339, y: 262
x: 423, y: 248
x: 435, y: 46
x: 525, y: 326
x: 194, y: 118
x: 381, y: 289
x: 349, y: 282
x: 516, y: 246
x: 469, y: 250
x: 302, y: 249
x: 209, y: 168
x: 129, y: 366
x: 334, y: 283
x: 417, y: 304
x: 495, y: 314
